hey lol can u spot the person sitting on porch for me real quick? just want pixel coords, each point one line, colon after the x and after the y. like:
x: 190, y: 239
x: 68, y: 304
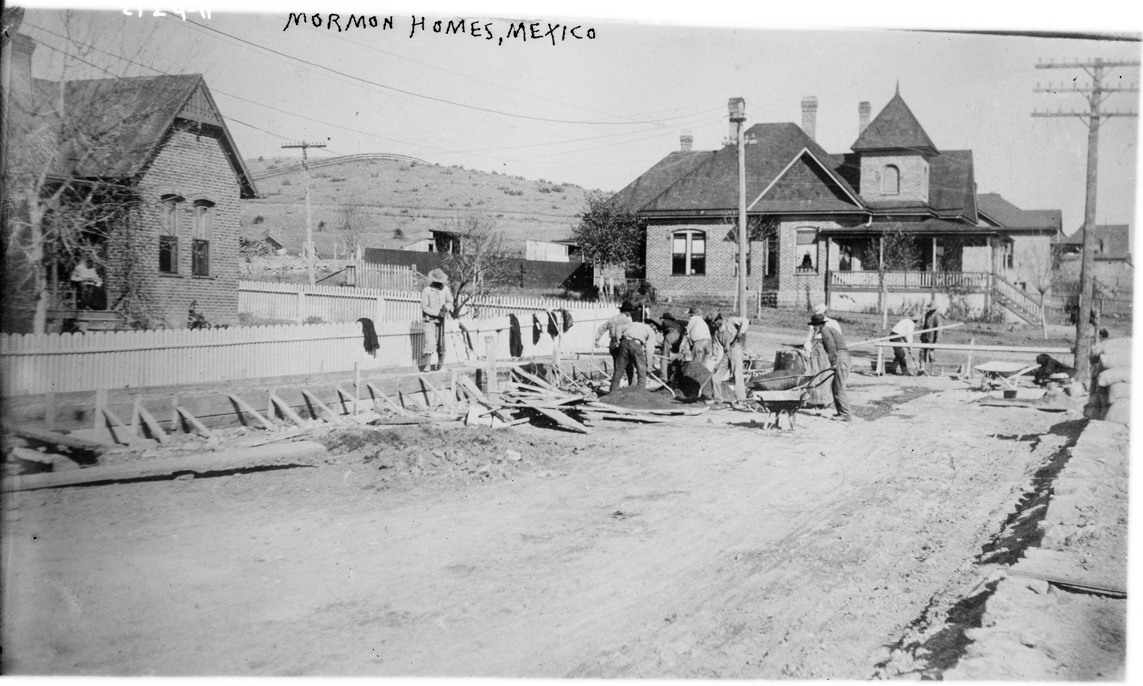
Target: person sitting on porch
x: 88, y: 285
x: 902, y: 332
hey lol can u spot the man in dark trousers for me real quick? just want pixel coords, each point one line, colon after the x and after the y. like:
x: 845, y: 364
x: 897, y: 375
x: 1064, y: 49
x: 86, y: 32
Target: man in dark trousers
x: 838, y: 355
x: 933, y: 319
x: 614, y: 327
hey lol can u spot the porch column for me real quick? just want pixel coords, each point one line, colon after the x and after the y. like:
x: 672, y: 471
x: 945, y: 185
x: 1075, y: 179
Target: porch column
x: 933, y: 269
x: 829, y: 248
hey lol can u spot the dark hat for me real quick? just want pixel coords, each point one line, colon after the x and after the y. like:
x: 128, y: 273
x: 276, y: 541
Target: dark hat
x: 668, y: 315
x: 817, y: 320
x: 626, y: 306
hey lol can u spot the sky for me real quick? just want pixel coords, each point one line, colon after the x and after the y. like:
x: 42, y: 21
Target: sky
x: 599, y: 111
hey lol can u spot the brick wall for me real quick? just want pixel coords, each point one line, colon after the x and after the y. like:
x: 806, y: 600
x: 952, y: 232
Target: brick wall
x: 913, y: 177
x: 195, y: 168
x: 790, y: 287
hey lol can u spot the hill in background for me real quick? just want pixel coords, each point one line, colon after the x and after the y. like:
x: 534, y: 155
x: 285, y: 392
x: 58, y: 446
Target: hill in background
x: 403, y: 201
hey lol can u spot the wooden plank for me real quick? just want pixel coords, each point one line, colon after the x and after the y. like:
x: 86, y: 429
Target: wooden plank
x: 979, y: 348
x: 534, y: 379
x: 237, y: 458
x: 119, y: 431
x: 885, y: 338
x: 615, y: 416
x: 560, y: 418
x: 313, y: 399
x: 1082, y: 583
x: 54, y: 438
x: 244, y: 406
x: 378, y: 393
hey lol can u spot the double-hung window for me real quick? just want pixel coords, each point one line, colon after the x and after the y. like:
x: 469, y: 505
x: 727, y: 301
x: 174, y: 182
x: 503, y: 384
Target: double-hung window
x: 200, y: 242
x: 688, y: 253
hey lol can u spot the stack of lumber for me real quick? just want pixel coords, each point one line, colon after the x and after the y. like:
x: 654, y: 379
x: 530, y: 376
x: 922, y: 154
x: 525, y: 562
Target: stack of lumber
x: 1110, y: 399
x: 567, y: 405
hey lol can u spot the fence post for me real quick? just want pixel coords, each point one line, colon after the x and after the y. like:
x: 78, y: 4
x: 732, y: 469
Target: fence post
x: 301, y: 304
x: 490, y: 355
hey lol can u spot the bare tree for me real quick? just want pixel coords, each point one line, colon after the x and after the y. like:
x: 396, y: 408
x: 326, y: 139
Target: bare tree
x: 351, y: 225
x: 1040, y: 272
x: 59, y: 206
x: 480, y: 263
x: 896, y: 250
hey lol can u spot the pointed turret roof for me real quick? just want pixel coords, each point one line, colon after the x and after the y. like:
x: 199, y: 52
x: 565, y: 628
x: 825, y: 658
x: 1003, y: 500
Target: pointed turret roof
x: 894, y: 128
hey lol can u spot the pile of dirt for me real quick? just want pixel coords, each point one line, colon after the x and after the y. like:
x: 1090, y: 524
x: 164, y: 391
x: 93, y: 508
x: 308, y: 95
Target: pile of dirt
x: 639, y: 398
x: 414, y: 453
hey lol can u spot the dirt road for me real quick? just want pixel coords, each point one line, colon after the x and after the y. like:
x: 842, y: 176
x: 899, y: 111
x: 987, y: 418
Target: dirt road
x: 749, y: 554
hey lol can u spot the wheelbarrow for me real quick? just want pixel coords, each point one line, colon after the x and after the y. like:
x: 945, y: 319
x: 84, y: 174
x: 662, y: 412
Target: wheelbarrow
x: 775, y: 403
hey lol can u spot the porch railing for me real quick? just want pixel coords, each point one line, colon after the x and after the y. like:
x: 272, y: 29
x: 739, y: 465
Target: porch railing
x: 973, y: 282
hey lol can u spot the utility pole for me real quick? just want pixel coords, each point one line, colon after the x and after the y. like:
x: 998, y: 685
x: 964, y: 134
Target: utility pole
x: 1095, y: 94
x: 737, y: 107
x: 309, y: 247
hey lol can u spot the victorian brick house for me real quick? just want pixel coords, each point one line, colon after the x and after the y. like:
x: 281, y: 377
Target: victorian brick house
x: 162, y: 141
x: 819, y: 222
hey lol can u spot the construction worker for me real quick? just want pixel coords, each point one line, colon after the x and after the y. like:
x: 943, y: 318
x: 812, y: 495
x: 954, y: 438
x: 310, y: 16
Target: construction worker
x: 902, y: 332
x: 730, y: 334
x: 933, y: 319
x: 838, y: 353
x: 614, y: 328
x: 698, y: 336
x: 635, y: 346
x: 674, y: 331
x: 436, y: 304
x: 813, y: 337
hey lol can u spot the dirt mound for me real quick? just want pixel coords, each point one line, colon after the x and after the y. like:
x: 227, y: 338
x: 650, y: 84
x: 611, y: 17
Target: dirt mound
x: 638, y: 398
x: 426, y: 451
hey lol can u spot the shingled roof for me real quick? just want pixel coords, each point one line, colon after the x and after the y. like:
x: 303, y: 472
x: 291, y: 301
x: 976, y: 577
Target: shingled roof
x: 709, y: 181
x: 659, y: 178
x: 115, y: 126
x: 895, y: 127
x: 999, y: 211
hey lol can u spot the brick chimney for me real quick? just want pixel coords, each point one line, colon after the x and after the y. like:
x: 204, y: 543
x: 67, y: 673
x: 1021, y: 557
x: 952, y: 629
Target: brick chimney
x: 809, y: 115
x: 686, y: 141
x: 863, y: 112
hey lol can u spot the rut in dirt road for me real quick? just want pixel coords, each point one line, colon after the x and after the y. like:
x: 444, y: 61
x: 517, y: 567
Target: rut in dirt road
x: 898, y: 537
x: 935, y: 643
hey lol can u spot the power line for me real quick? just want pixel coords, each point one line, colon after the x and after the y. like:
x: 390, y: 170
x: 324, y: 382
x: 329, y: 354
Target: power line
x: 420, y: 95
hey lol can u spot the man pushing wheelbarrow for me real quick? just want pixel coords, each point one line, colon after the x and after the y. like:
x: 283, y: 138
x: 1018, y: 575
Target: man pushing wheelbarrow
x: 838, y: 355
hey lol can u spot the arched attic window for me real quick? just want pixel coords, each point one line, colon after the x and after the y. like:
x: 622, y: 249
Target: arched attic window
x: 890, y: 180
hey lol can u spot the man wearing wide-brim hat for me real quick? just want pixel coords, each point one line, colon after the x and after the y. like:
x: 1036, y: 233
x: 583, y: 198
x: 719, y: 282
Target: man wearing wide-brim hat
x: 838, y: 354
x: 436, y: 304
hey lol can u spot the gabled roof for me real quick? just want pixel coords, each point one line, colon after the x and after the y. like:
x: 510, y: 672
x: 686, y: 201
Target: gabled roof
x: 709, y: 181
x: 952, y: 185
x: 121, y: 123
x: 998, y: 211
x: 894, y: 128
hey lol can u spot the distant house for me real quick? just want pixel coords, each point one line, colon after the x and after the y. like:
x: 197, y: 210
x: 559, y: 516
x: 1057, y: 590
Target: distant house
x: 162, y: 142
x: 818, y: 222
x: 1113, y: 267
x: 1028, y: 257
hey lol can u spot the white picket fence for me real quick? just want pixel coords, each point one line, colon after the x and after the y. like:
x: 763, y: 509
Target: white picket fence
x: 298, y: 302
x: 60, y: 363
x: 389, y: 277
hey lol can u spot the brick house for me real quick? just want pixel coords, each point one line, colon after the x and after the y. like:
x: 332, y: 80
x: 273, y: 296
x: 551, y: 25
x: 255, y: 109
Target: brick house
x: 163, y: 141
x: 818, y: 222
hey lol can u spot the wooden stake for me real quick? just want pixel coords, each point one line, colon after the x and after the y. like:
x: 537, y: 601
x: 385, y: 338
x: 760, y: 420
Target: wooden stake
x: 287, y: 411
x: 356, y: 385
x: 152, y: 425
x: 50, y: 410
x: 377, y: 393
x: 243, y: 406
x: 193, y: 421
x: 333, y: 418
x: 972, y: 347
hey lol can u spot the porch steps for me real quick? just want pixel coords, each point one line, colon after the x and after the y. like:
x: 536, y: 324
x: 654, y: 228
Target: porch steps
x: 1017, y: 302
x: 87, y: 320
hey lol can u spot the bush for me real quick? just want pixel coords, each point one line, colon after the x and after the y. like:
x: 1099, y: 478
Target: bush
x: 287, y: 182
x: 321, y: 225
x: 337, y: 179
x: 259, y: 219
x: 314, y: 320
x: 248, y: 319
